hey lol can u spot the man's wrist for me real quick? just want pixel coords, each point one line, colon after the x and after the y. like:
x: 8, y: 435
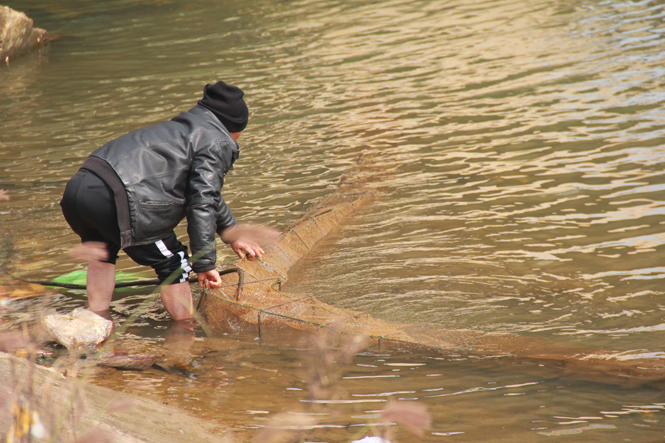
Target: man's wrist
x: 204, y: 268
x: 225, y: 238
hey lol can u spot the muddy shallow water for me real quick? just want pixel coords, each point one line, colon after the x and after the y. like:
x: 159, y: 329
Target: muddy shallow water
x: 518, y: 146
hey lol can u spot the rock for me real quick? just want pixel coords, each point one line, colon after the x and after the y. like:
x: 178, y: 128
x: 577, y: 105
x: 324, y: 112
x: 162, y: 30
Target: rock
x: 79, y: 328
x: 128, y: 354
x: 70, y: 406
x: 17, y: 34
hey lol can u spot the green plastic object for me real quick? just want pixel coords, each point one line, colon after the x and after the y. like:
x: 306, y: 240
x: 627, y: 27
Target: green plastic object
x: 78, y: 277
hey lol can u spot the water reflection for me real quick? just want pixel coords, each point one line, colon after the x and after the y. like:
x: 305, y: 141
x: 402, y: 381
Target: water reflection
x: 472, y: 399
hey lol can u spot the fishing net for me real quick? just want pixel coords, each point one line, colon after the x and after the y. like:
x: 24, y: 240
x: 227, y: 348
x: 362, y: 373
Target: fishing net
x: 250, y: 301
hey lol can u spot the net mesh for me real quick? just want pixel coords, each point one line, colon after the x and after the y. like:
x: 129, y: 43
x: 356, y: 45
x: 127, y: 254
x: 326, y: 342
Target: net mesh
x: 251, y: 301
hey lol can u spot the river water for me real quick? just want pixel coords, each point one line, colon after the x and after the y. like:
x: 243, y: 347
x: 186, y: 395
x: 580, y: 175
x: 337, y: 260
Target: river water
x: 518, y: 151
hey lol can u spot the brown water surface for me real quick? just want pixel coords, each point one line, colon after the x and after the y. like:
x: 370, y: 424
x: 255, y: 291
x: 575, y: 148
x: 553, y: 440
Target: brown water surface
x: 519, y: 146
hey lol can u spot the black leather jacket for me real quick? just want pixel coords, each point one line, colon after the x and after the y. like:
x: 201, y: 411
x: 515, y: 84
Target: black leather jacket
x: 170, y: 171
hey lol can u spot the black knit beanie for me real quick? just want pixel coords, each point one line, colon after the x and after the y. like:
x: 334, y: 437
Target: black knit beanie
x: 226, y: 102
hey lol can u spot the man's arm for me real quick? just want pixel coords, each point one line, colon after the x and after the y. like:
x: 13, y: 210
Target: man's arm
x: 204, y: 199
x: 248, y: 240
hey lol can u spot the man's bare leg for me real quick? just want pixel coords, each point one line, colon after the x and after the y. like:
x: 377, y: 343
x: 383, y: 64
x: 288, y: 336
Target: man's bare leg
x: 177, y: 300
x: 100, y: 280
x: 179, y: 338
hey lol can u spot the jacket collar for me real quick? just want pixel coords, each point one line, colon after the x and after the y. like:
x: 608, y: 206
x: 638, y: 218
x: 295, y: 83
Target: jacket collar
x: 208, y: 116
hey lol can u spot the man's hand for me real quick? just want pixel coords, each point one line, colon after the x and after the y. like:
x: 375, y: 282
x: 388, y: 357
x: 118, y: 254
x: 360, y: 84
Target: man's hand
x: 248, y: 240
x: 210, y: 279
x: 252, y: 249
x: 90, y: 251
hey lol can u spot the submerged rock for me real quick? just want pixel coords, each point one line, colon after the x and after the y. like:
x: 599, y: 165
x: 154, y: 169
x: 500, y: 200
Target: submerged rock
x: 17, y: 34
x: 131, y: 354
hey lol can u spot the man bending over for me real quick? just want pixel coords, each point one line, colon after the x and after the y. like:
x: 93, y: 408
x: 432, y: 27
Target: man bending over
x: 132, y: 192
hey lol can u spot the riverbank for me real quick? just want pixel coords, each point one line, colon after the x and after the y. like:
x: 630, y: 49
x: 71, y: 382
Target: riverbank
x: 66, y: 404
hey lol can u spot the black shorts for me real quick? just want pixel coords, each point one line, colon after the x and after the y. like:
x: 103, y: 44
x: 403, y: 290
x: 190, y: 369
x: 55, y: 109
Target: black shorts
x: 89, y: 208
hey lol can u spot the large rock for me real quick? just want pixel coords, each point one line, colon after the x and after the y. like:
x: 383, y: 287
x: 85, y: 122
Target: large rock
x: 17, y: 34
x: 69, y: 406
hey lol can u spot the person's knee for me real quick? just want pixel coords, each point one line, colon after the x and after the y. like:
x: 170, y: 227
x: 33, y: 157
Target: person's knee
x: 177, y: 300
x: 167, y: 257
x: 174, y: 271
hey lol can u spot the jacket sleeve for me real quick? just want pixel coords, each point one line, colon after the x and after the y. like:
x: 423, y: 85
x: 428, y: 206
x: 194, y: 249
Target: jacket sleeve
x: 206, y: 178
x: 225, y: 218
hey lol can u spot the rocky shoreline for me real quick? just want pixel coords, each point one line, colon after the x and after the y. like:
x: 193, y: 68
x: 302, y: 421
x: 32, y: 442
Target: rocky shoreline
x: 111, y: 416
